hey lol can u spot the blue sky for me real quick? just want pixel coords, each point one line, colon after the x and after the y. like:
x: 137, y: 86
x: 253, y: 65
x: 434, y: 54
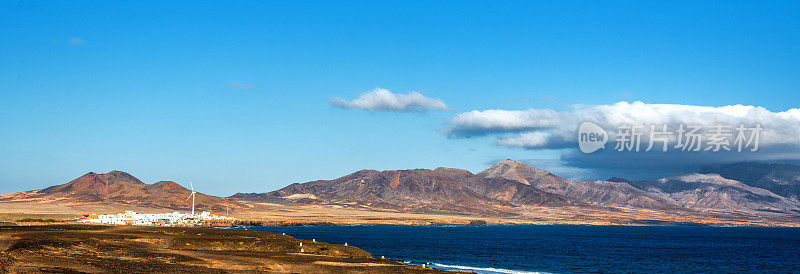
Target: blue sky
x: 234, y: 96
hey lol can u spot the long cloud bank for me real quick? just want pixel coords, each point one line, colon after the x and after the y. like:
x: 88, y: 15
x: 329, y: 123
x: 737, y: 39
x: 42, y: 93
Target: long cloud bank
x: 548, y: 129
x: 536, y: 129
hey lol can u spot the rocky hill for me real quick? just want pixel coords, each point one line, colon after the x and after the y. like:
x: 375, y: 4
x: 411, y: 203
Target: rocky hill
x: 781, y: 179
x: 120, y: 188
x: 596, y: 193
x: 418, y: 190
x: 712, y: 192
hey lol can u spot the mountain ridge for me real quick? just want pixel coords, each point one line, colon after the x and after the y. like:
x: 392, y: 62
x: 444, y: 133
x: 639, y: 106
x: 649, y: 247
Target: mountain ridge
x: 599, y: 192
x: 780, y: 178
x: 507, y: 189
x: 120, y: 188
x: 510, y: 185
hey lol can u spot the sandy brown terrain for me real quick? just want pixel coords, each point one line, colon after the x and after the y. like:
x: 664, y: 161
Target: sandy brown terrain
x: 89, y: 248
x: 280, y: 214
x: 294, y: 214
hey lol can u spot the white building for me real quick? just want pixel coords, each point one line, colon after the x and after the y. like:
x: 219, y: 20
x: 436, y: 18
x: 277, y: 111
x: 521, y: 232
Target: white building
x: 133, y: 218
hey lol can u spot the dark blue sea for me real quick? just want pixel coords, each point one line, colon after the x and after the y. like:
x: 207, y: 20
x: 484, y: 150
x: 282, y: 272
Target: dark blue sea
x: 572, y: 248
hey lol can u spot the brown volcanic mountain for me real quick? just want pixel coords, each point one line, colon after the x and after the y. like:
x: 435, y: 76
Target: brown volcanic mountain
x: 596, y: 193
x: 504, y: 189
x: 712, y: 192
x: 418, y: 190
x: 781, y: 179
x: 120, y: 188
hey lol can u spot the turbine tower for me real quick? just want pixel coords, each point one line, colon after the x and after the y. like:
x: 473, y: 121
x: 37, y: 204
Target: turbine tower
x: 192, y: 196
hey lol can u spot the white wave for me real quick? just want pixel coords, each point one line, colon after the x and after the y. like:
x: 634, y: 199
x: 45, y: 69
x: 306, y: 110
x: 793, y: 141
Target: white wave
x: 487, y: 270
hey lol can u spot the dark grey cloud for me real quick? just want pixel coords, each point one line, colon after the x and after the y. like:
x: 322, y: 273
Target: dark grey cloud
x: 657, y: 164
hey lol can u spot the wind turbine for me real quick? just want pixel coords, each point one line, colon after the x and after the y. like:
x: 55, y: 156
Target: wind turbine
x: 192, y: 196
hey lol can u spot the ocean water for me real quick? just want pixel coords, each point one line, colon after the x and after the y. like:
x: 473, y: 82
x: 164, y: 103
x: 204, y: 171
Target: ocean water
x: 572, y: 248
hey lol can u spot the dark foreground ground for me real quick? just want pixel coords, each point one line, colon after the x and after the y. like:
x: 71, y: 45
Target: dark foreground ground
x: 89, y: 248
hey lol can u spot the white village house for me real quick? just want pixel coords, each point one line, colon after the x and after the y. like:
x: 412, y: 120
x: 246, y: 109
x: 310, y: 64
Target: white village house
x: 133, y: 218
x: 174, y: 218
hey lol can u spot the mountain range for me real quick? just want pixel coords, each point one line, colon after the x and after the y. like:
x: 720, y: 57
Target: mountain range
x: 509, y: 185
x: 508, y: 188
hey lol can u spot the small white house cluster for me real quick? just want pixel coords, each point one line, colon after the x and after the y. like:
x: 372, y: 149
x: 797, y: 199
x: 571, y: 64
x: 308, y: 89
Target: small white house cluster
x: 133, y: 218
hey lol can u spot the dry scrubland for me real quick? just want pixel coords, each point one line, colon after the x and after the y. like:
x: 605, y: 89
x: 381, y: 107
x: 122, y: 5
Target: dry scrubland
x: 90, y: 248
x: 295, y: 214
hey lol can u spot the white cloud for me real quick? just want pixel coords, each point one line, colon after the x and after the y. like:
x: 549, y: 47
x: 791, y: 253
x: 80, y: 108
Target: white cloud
x: 382, y: 99
x: 494, y: 120
x: 537, y: 129
x: 534, y: 139
x: 75, y: 41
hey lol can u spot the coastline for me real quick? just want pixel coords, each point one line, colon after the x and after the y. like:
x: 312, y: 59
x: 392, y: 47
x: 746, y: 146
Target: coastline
x: 562, y: 248
x: 34, y: 247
